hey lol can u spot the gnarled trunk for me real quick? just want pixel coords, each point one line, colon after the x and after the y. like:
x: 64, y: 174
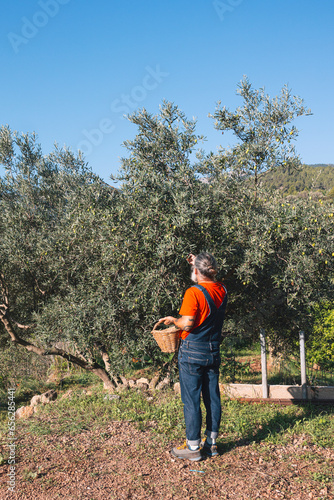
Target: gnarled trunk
x: 55, y: 351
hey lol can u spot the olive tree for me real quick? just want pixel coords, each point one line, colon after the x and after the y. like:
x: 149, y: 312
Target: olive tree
x: 264, y: 129
x: 86, y: 270
x: 283, y: 251
x: 286, y: 267
x: 42, y: 260
x: 273, y: 254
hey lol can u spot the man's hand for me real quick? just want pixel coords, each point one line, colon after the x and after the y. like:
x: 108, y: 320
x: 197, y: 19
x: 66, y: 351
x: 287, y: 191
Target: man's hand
x: 184, y: 323
x: 191, y: 259
x: 169, y: 320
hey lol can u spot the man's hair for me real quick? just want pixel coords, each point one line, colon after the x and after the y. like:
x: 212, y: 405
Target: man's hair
x: 206, y: 264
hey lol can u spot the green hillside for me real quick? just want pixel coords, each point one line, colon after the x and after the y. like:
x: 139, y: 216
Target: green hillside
x: 315, y: 178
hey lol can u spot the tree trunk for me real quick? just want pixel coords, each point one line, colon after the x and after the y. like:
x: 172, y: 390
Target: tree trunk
x: 167, y: 368
x: 104, y: 376
x: 55, y: 351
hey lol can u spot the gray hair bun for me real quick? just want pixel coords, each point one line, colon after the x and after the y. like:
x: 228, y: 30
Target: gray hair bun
x: 206, y: 264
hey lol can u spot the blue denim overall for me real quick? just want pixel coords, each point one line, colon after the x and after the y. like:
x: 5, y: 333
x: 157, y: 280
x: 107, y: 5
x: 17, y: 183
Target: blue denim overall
x: 199, y: 361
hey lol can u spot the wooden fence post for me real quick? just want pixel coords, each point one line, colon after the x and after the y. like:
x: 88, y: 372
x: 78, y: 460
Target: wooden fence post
x: 264, y: 363
x: 303, y: 364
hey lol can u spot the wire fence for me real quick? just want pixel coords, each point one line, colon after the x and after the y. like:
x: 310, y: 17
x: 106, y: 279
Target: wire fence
x: 288, y: 372
x: 282, y: 370
x: 318, y: 377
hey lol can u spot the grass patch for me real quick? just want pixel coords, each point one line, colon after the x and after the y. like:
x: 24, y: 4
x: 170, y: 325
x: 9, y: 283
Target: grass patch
x: 162, y: 413
x: 28, y: 388
x: 325, y: 477
x: 244, y: 422
x: 24, y: 391
x: 253, y: 350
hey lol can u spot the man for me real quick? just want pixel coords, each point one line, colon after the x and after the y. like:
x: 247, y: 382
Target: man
x: 202, y: 316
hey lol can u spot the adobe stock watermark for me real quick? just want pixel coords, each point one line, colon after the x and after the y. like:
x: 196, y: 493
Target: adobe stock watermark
x: 223, y: 7
x: 124, y: 104
x: 11, y: 481
x: 30, y: 27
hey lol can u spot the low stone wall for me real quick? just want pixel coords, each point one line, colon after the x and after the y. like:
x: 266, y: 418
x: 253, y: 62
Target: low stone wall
x: 277, y: 391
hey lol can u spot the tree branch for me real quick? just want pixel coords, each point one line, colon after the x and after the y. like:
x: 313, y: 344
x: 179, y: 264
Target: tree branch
x: 105, y: 357
x: 55, y: 351
x: 43, y: 292
x: 5, y: 292
x: 22, y: 327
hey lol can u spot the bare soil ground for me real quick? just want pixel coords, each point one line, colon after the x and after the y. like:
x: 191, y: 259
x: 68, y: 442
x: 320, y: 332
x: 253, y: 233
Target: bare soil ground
x: 122, y: 462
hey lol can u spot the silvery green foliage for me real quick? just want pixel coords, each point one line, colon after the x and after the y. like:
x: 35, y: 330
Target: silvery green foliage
x: 41, y: 199
x: 263, y: 128
x: 92, y: 267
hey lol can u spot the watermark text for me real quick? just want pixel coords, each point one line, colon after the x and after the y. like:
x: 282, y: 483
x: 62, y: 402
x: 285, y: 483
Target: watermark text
x: 224, y: 7
x: 30, y: 27
x: 124, y: 104
x: 11, y: 481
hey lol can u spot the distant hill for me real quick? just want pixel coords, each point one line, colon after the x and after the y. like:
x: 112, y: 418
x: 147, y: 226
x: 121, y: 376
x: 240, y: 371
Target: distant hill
x: 313, y: 178
x: 320, y: 165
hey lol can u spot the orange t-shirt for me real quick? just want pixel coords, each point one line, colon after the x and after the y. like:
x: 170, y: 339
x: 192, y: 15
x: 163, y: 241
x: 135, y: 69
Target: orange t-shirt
x: 194, y: 303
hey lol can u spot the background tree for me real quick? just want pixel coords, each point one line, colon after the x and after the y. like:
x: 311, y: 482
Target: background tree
x: 263, y: 129
x: 286, y: 267
x: 278, y: 274
x: 272, y: 254
x: 307, y: 179
x: 320, y: 345
x: 86, y: 270
x: 42, y: 260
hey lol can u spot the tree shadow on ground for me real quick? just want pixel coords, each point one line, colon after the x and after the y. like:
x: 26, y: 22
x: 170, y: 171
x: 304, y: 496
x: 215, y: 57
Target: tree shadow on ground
x: 276, y: 426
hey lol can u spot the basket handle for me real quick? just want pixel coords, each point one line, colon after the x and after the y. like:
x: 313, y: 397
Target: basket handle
x: 156, y: 325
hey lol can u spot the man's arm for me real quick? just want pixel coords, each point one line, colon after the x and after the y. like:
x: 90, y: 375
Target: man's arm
x: 185, y: 323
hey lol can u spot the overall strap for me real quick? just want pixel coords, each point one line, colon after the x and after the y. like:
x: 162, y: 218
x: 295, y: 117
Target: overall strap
x: 208, y: 297
x: 210, y: 329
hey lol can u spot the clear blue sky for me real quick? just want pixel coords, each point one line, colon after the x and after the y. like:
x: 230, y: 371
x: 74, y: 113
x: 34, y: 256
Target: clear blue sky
x: 71, y: 67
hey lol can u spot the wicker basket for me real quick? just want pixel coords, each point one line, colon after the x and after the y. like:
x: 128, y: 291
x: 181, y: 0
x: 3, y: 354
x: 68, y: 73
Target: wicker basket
x: 168, y: 339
